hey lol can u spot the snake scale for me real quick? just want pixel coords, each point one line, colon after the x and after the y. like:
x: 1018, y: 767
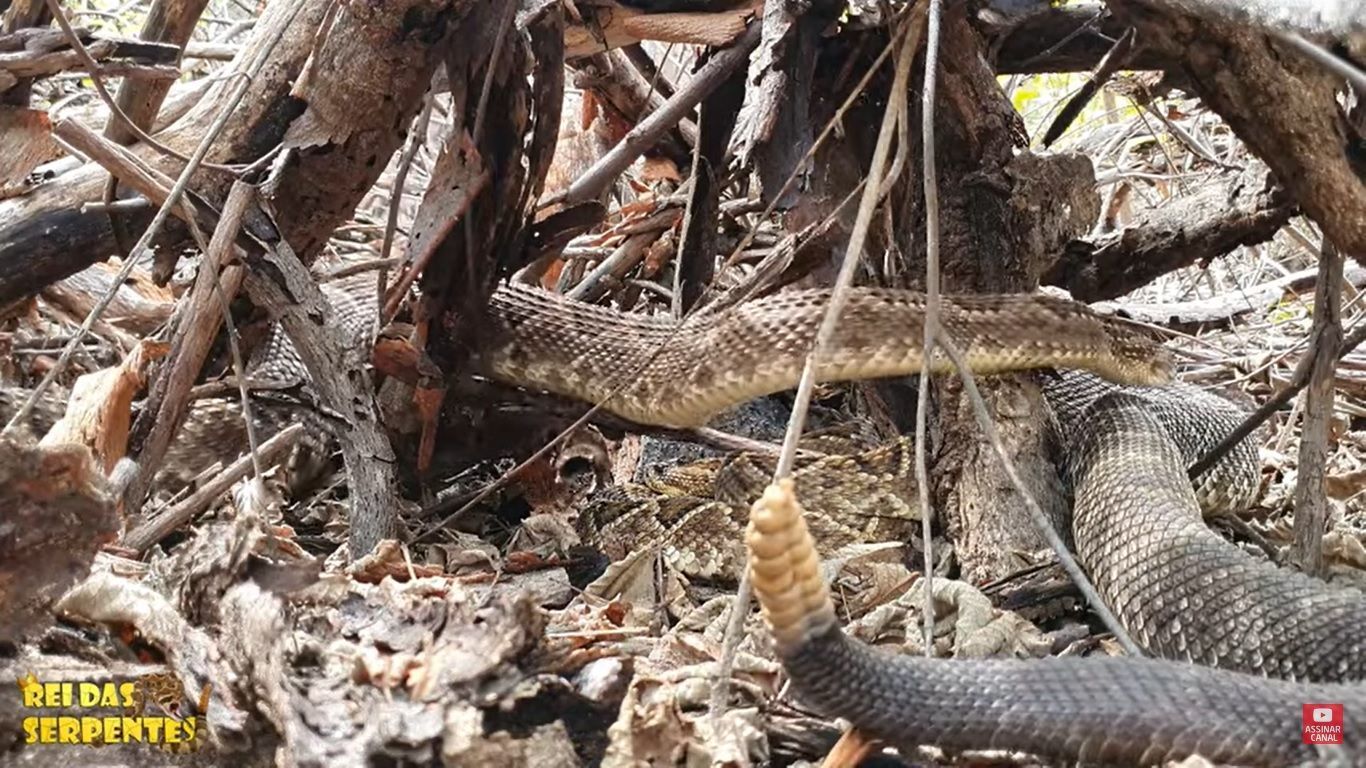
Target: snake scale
x: 1180, y: 590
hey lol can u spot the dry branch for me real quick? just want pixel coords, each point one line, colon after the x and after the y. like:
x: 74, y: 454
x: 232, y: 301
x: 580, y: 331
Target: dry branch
x: 1311, y: 505
x: 1278, y: 101
x: 164, y: 524
x: 281, y: 284
x: 614, y: 27
x: 643, y: 136
x: 168, y: 21
x: 1226, y: 306
x: 1298, y: 381
x: 32, y: 53
x: 340, y: 126
x: 196, y: 326
x: 1332, y: 17
x: 1192, y: 229
x: 1069, y: 38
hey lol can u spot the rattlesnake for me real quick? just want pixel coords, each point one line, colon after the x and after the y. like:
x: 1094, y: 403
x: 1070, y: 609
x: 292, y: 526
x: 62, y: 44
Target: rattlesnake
x: 655, y: 371
x: 1183, y: 592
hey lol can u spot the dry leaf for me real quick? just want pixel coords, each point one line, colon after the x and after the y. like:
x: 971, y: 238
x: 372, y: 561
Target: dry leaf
x: 25, y: 142
x: 657, y: 169
x: 98, y: 414
x: 1346, y: 485
x: 389, y: 560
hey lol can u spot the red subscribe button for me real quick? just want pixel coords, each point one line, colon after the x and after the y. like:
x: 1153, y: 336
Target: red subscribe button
x: 1322, y: 724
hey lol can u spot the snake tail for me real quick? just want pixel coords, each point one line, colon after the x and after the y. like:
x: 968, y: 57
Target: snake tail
x: 1106, y: 710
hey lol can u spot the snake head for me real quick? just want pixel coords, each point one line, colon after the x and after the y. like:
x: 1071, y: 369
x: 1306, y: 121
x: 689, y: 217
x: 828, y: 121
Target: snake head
x: 1136, y: 360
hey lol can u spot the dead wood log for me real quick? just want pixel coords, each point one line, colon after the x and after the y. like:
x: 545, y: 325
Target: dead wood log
x: 1281, y: 104
x: 1224, y: 307
x: 168, y: 21
x: 21, y: 15
x: 1069, y: 38
x: 32, y: 53
x: 1191, y: 229
x: 342, y: 118
x: 1064, y: 39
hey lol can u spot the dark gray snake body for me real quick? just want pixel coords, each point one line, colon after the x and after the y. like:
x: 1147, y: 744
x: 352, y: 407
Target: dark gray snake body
x: 1181, y: 591
x: 1096, y: 710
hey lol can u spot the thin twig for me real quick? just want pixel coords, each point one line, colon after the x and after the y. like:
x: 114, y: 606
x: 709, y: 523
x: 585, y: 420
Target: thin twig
x: 1298, y: 381
x: 162, y: 525
x: 593, y: 181
x: 839, y: 296
x: 225, y: 113
x: 131, y: 205
x: 358, y: 267
x: 1321, y: 56
x: 480, y: 112
x: 501, y: 36
x: 243, y: 192
x: 929, y: 172
x: 936, y: 337
x: 194, y: 329
x: 1036, y: 513
x: 97, y: 77
x: 405, y: 162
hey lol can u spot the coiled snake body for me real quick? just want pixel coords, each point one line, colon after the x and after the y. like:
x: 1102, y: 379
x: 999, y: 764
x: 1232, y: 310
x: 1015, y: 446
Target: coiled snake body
x: 1183, y: 592
x: 1180, y: 590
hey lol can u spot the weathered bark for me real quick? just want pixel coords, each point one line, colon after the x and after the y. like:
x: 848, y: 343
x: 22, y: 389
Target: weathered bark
x: 1001, y: 218
x: 21, y: 15
x: 605, y: 27
x: 1192, y: 229
x: 168, y: 21
x: 461, y: 268
x: 31, y: 256
x: 34, y: 53
x: 1069, y: 38
x: 634, y: 95
x: 777, y: 130
x: 1284, y: 108
x: 199, y: 317
x: 696, y: 255
x: 59, y: 509
x: 281, y: 283
x: 1311, y: 502
x: 342, y: 126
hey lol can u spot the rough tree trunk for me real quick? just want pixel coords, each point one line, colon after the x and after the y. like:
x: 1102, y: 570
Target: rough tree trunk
x: 1003, y: 218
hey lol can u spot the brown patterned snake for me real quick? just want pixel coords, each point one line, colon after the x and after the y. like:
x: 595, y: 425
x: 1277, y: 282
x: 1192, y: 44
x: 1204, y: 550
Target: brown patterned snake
x: 1184, y: 593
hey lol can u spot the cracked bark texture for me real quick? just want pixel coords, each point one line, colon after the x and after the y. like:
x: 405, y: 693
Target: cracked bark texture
x: 1249, y: 208
x: 1282, y: 106
x: 1002, y: 218
x: 343, y: 115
